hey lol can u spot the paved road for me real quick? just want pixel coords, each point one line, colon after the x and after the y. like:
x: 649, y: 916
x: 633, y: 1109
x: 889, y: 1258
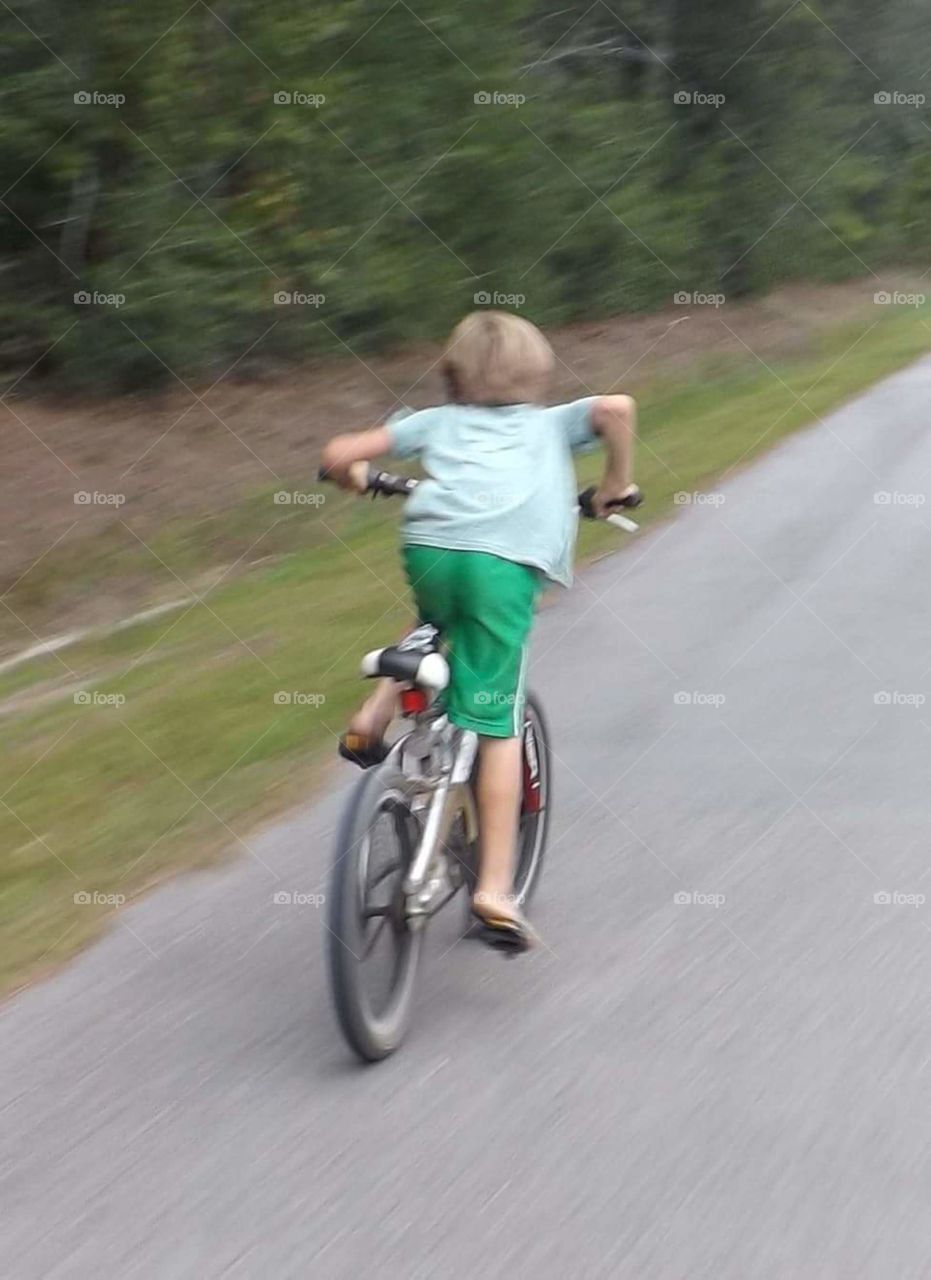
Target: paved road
x: 728, y: 1089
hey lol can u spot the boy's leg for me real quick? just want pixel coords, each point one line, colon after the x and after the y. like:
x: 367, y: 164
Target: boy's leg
x: 488, y: 656
x: 372, y: 719
x: 370, y: 722
x: 498, y: 796
x: 484, y: 605
x: 377, y: 711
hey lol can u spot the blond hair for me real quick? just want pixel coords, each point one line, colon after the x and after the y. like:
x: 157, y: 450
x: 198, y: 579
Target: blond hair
x: 493, y: 357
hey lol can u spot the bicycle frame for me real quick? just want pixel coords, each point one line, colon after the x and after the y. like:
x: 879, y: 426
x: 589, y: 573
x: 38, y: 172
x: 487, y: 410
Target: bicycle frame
x: 450, y: 754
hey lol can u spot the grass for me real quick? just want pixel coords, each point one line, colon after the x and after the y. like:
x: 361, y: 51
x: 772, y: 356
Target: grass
x: 177, y: 747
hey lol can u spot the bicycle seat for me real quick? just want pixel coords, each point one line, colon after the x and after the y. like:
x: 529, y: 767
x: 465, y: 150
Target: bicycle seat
x: 414, y: 660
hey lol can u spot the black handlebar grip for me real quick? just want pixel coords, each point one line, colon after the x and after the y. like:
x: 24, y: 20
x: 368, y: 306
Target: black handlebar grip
x: 379, y: 482
x: 585, y: 502
x: 588, y: 511
x: 390, y: 485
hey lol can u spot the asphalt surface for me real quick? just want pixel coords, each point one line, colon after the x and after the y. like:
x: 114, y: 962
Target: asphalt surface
x: 731, y: 1086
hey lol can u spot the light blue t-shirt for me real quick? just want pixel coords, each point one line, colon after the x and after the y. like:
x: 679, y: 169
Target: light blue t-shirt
x: 498, y: 479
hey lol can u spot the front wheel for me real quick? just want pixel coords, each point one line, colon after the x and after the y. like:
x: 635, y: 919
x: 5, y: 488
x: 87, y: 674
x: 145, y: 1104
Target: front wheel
x: 373, y: 953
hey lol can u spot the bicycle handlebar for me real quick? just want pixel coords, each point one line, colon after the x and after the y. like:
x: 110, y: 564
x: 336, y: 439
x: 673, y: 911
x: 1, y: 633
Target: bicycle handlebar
x: 588, y: 511
x: 388, y: 485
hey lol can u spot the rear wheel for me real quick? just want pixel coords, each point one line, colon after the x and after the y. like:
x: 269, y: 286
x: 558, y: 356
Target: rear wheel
x: 536, y: 792
x: 373, y: 953
x: 535, y: 801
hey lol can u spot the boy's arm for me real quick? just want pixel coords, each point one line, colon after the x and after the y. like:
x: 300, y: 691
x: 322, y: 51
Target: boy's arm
x: 343, y: 452
x: 614, y: 420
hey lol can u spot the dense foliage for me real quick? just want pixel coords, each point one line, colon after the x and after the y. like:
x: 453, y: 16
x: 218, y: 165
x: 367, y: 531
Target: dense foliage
x: 431, y: 152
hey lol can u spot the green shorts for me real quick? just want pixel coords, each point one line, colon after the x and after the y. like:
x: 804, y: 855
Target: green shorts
x: 484, y: 607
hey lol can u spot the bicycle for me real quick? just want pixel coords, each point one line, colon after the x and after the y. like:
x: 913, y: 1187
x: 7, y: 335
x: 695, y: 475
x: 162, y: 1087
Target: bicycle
x: 418, y: 809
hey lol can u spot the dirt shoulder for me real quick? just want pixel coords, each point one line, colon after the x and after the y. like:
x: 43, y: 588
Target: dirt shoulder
x: 188, y: 452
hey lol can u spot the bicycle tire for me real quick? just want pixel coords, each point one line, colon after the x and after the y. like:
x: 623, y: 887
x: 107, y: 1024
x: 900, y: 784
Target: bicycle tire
x: 371, y: 1033
x: 534, y: 827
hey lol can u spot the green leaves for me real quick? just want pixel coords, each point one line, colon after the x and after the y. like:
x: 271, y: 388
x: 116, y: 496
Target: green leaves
x: 399, y: 160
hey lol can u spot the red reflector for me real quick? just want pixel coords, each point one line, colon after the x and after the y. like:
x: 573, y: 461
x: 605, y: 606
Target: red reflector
x: 413, y: 701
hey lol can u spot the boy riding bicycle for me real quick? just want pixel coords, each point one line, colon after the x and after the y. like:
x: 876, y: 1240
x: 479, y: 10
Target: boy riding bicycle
x: 493, y: 520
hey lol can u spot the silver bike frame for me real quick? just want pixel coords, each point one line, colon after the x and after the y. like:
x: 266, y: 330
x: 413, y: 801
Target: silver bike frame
x: 450, y: 755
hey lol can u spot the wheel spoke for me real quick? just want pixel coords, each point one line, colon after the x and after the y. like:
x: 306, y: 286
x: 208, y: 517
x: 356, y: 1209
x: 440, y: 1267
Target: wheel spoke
x: 372, y: 913
x: 383, y: 875
x: 376, y: 934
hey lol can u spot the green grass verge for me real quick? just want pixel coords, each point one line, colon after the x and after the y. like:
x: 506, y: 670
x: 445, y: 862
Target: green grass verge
x: 106, y: 798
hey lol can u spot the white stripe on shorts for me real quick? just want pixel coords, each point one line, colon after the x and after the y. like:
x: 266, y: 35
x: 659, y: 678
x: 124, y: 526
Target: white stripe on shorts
x: 520, y: 698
